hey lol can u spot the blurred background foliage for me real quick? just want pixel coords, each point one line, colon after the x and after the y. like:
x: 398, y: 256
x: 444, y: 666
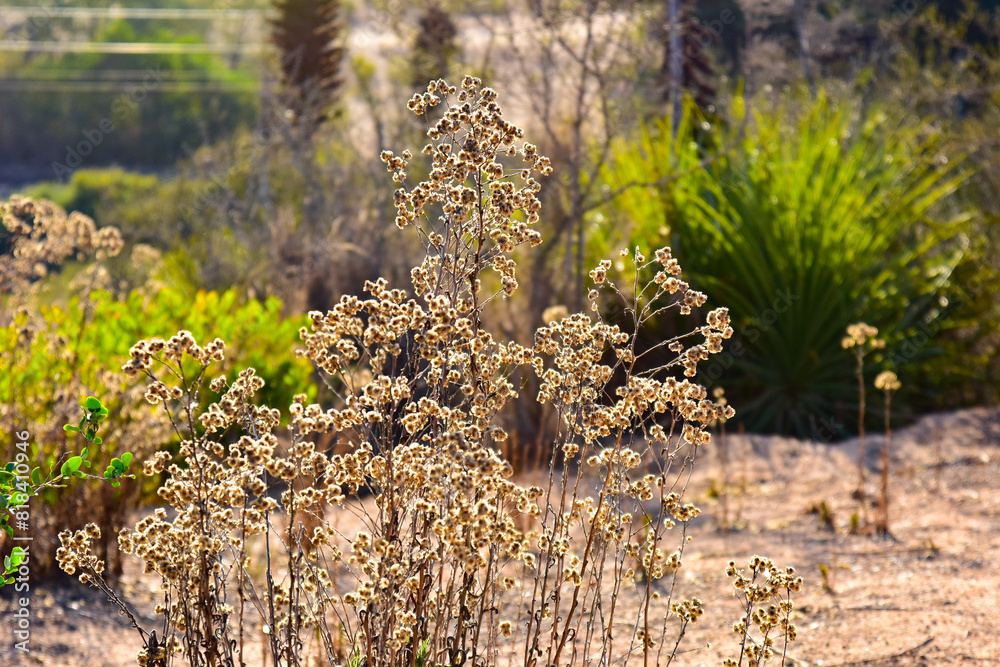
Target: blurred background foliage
x: 837, y: 160
x: 818, y: 214
x: 143, y: 109
x: 71, y: 337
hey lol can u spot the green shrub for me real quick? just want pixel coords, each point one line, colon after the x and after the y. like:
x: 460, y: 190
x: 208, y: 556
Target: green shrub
x: 54, y: 353
x: 143, y: 207
x: 90, y: 189
x: 805, y: 225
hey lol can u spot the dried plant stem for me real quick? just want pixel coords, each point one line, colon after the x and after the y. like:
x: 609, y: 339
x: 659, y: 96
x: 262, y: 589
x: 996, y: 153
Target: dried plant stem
x: 724, y: 522
x: 888, y: 383
x: 860, y: 492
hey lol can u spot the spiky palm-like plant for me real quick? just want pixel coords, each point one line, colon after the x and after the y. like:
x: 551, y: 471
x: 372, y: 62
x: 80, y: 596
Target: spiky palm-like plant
x: 811, y: 222
x: 306, y: 32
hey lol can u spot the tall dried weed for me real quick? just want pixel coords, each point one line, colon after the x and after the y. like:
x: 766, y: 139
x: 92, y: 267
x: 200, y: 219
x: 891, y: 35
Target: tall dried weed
x: 423, y: 548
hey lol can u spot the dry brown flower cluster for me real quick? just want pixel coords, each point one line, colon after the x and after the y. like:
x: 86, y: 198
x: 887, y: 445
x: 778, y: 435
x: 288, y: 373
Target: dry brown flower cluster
x: 434, y: 552
x: 763, y: 584
x: 41, y: 235
x: 887, y: 381
x: 861, y: 339
x: 863, y: 336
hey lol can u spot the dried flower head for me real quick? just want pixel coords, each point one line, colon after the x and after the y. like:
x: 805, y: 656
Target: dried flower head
x: 887, y: 381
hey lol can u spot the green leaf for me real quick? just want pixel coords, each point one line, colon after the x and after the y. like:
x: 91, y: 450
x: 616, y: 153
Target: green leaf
x: 69, y: 428
x: 98, y: 440
x: 3, y: 501
x: 93, y: 404
x: 127, y: 459
x: 9, y: 580
x: 85, y: 453
x: 36, y: 476
x: 116, y: 483
x: 17, y: 556
x: 118, y: 465
x: 71, y: 466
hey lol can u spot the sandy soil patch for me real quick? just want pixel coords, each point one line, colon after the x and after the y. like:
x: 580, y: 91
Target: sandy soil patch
x: 927, y: 596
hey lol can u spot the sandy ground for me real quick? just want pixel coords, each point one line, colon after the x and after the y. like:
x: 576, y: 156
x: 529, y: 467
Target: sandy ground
x: 927, y: 596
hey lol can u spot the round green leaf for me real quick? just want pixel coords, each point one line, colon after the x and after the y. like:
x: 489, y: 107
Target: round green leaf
x: 92, y: 404
x: 71, y: 466
x: 16, y: 557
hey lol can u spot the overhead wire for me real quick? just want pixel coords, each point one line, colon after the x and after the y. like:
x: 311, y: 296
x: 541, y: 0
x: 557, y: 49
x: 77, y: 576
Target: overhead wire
x: 122, y: 80
x: 132, y: 12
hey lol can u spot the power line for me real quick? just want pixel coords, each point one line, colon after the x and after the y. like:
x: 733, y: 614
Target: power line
x: 125, y: 86
x: 131, y: 13
x: 58, y: 74
x: 141, y: 48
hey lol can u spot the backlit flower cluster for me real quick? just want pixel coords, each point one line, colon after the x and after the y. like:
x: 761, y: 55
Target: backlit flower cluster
x: 861, y: 335
x: 76, y: 552
x: 481, y: 185
x: 433, y: 543
x: 887, y: 381
x: 765, y: 593
x: 41, y: 234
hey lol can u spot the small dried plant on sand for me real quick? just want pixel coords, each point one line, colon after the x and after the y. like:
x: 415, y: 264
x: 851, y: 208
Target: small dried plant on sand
x: 410, y: 542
